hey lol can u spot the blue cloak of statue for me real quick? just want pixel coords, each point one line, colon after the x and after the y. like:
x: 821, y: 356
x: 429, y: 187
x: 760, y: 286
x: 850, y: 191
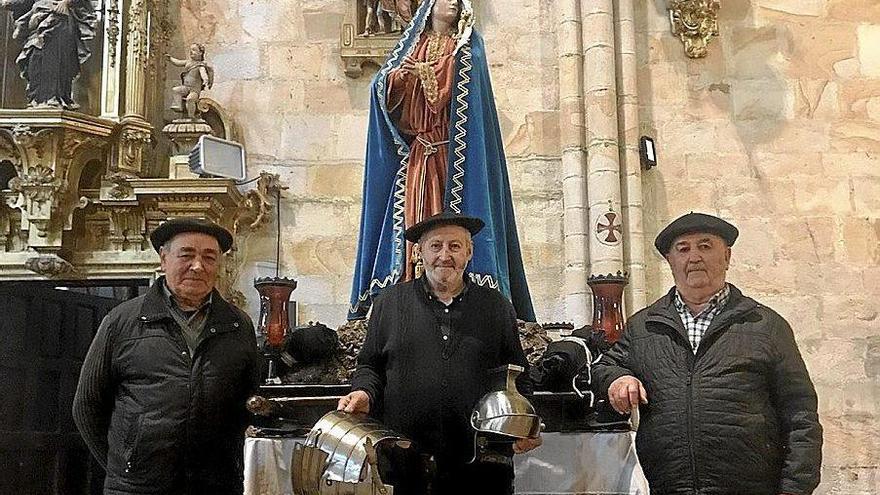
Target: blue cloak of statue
x: 477, y: 183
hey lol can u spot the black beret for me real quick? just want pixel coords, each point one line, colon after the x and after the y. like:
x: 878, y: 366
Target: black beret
x: 694, y: 222
x: 174, y: 226
x: 471, y: 224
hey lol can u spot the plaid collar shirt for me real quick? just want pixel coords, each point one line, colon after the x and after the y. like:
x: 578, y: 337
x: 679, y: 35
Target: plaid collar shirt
x: 696, y: 325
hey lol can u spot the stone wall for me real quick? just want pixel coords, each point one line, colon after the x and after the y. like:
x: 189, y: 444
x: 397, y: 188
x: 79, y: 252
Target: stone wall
x: 778, y: 130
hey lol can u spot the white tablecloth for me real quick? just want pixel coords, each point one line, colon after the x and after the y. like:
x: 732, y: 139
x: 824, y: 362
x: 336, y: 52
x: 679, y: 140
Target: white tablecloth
x: 576, y: 463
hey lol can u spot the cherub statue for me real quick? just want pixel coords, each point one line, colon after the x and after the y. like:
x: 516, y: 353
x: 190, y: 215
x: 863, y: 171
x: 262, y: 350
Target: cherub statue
x: 196, y: 76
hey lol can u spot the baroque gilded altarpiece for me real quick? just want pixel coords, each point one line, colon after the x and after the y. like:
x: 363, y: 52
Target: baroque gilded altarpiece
x: 85, y: 188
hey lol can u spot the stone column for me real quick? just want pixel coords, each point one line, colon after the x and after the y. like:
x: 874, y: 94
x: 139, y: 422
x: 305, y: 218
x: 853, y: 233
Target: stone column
x: 602, y: 138
x: 574, y: 164
x: 630, y: 164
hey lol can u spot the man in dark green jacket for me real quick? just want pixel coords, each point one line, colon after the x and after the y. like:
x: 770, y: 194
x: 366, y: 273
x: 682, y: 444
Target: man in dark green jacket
x: 161, y: 395
x: 726, y: 404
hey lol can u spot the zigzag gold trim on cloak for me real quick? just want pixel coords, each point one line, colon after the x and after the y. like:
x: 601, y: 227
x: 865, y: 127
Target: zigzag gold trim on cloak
x: 481, y: 279
x: 457, y: 178
x: 391, y: 279
x: 485, y: 280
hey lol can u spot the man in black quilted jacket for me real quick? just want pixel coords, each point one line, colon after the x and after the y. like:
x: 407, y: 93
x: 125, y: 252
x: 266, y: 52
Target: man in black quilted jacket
x: 161, y: 396
x: 726, y: 403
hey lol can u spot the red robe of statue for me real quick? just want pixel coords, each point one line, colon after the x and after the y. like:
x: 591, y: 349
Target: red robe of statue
x: 421, y: 105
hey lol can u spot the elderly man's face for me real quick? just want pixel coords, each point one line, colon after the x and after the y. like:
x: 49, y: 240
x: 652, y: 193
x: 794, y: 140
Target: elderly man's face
x: 190, y: 261
x: 699, y: 263
x: 446, y: 251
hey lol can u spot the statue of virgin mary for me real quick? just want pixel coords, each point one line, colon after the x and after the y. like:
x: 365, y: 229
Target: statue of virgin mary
x: 434, y: 145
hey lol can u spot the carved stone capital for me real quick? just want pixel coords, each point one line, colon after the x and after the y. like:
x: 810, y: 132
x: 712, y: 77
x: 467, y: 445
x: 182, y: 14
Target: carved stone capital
x: 30, y: 140
x: 38, y: 184
x: 695, y: 22
x: 133, y: 141
x: 39, y: 191
x: 50, y: 265
x: 119, y: 186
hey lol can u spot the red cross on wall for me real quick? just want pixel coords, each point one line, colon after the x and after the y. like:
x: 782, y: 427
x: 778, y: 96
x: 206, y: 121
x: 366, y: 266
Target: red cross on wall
x: 610, y: 230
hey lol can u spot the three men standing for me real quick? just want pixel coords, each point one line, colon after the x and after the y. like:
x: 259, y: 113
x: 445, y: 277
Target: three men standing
x: 726, y: 403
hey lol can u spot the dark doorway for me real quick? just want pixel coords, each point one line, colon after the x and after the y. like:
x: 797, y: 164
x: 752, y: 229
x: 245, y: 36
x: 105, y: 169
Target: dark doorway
x: 45, y: 331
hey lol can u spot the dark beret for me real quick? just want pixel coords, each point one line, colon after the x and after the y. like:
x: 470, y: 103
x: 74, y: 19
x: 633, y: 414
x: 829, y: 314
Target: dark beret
x: 471, y: 224
x: 174, y: 226
x: 694, y: 222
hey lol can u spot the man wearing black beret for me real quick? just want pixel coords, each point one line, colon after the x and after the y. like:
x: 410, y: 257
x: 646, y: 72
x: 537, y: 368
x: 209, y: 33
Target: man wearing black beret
x: 424, y: 364
x: 726, y: 404
x: 161, y: 395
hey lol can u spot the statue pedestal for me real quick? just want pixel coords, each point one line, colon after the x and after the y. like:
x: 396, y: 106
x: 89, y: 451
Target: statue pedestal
x: 178, y: 168
x: 184, y: 134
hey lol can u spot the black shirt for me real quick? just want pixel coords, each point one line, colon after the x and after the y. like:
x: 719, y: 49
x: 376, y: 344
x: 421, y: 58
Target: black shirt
x: 425, y: 364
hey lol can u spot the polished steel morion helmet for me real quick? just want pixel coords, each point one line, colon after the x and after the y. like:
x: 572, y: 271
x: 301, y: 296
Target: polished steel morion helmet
x: 506, y: 412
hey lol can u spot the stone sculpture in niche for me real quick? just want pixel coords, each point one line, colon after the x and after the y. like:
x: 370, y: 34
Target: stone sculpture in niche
x: 196, y: 76
x: 387, y: 16
x: 54, y: 35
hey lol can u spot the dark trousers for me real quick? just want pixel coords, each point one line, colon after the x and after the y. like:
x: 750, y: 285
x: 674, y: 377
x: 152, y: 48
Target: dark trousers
x: 411, y: 474
x: 477, y: 479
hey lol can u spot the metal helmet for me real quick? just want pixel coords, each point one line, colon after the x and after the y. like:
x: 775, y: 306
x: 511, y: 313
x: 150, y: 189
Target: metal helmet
x: 339, y: 456
x: 506, y: 412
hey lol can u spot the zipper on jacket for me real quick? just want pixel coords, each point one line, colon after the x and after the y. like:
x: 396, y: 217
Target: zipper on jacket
x: 690, y: 423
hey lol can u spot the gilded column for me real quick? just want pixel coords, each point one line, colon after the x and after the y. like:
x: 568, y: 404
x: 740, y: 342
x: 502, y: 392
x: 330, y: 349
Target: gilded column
x: 136, y: 132
x: 111, y: 76
x: 136, y: 59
